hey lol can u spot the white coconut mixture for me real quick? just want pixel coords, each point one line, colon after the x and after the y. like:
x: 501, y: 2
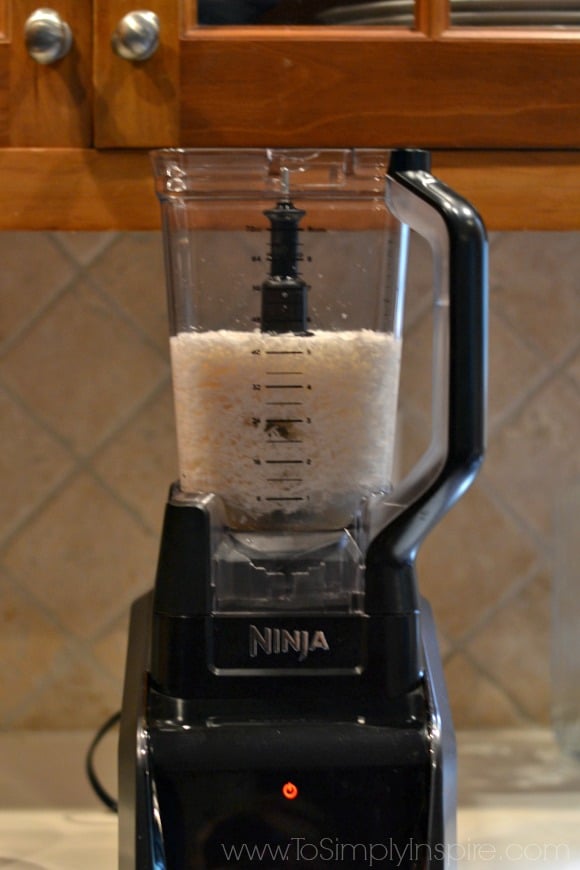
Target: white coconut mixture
x: 286, y: 425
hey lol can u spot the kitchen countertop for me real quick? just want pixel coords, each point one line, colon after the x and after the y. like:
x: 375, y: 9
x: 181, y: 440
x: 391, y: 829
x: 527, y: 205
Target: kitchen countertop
x: 519, y: 803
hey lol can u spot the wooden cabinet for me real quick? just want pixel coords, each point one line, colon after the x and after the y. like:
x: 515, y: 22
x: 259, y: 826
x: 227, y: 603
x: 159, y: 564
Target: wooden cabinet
x: 45, y: 105
x: 501, y: 108
x: 136, y: 104
x: 434, y: 86
x: 91, y: 97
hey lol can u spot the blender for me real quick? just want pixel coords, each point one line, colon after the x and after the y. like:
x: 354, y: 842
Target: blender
x: 284, y: 702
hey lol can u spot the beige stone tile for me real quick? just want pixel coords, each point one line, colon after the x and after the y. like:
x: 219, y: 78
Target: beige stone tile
x: 77, y: 697
x: 132, y: 273
x: 141, y: 462
x: 33, y: 270
x: 84, y: 557
x: 31, y: 463
x: 514, y: 647
x: 417, y: 367
x: 469, y: 561
x: 419, y: 291
x: 445, y: 645
x: 111, y: 649
x: 85, y: 246
x: 475, y: 701
x: 533, y: 455
x: 512, y: 367
x: 43, y: 771
x: 534, y: 278
x: 29, y: 646
x: 412, y: 439
x: 574, y: 369
x: 82, y: 368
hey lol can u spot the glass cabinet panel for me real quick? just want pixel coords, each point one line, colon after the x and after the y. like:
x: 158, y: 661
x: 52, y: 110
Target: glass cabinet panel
x: 390, y: 13
x: 515, y: 13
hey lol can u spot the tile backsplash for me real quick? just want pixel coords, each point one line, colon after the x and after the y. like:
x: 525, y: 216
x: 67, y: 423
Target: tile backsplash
x: 88, y: 453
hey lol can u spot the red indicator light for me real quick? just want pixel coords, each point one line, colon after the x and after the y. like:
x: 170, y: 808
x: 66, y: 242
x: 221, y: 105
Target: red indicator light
x: 290, y: 791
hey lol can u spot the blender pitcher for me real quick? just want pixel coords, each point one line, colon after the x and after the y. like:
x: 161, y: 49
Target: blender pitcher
x: 285, y: 640
x: 286, y: 279
x: 286, y: 333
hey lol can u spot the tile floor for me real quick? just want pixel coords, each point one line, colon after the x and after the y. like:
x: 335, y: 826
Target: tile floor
x: 88, y: 451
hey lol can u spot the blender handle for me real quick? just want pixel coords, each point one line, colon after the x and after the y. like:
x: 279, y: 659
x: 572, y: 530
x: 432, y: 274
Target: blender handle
x: 445, y: 219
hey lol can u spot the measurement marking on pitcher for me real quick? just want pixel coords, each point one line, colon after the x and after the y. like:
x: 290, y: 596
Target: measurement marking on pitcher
x: 284, y: 479
x: 284, y: 374
x: 284, y: 420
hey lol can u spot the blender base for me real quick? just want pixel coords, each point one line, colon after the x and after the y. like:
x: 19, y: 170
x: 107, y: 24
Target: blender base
x: 210, y: 784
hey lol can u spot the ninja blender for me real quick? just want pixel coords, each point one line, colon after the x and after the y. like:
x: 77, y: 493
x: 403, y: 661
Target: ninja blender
x: 284, y: 702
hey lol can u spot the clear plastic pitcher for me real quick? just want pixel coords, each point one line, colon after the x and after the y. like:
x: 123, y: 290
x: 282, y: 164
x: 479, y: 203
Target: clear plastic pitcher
x: 286, y: 278
x: 285, y: 290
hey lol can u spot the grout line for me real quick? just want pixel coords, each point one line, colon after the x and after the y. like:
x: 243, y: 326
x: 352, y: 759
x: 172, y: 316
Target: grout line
x: 125, y: 421
x: 542, y: 544
x: 80, y: 462
x: 120, y: 501
x: 107, y: 441
x: 47, y: 676
x: 31, y: 413
x: 108, y: 625
x: 65, y: 661
x: 39, y: 507
x: 51, y: 302
x: 73, y: 648
x: 523, y: 714
x: 126, y: 318
x: 510, y: 593
x: 496, y: 306
x: 22, y: 591
x: 56, y: 239
x: 124, y: 315
x: 535, y: 386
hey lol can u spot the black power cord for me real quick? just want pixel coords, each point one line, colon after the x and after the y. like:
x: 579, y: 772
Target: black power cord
x: 99, y: 790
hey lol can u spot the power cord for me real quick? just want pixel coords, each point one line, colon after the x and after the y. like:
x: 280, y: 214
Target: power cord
x: 98, y: 788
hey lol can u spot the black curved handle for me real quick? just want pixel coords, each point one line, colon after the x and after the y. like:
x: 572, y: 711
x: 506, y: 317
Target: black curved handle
x: 391, y: 584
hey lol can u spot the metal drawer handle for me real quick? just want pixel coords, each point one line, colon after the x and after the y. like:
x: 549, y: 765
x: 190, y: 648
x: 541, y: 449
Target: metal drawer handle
x: 48, y: 38
x: 136, y: 36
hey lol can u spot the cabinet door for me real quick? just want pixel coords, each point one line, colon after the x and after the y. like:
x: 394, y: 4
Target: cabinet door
x: 136, y: 102
x: 425, y: 85
x: 422, y: 83
x: 45, y: 105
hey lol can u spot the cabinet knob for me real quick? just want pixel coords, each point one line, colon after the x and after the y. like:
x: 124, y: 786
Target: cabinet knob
x: 48, y: 38
x: 136, y: 36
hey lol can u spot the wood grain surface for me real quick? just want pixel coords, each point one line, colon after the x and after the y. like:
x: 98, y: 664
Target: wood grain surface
x: 136, y: 102
x: 371, y: 87
x: 48, y: 105
x: 83, y: 189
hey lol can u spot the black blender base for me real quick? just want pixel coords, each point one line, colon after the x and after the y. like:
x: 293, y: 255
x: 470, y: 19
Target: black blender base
x: 203, y: 786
